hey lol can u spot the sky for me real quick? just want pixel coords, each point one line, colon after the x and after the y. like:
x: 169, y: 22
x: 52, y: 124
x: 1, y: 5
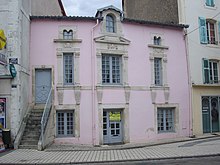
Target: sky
x: 87, y: 7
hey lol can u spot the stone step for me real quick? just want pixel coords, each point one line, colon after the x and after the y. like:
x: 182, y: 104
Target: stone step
x: 35, y: 117
x: 37, y: 111
x: 29, y: 142
x: 27, y: 147
x: 31, y: 134
x: 33, y: 122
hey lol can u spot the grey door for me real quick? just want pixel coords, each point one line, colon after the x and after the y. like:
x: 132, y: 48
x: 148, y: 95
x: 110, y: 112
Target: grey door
x: 112, y: 127
x: 42, y: 85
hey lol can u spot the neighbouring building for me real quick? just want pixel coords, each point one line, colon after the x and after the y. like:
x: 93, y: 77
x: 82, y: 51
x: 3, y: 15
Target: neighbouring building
x: 203, y: 40
x: 165, y: 11
x: 113, y: 79
x: 14, y: 59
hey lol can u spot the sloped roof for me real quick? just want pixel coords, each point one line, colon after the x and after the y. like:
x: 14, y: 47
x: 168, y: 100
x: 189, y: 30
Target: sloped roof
x: 62, y: 7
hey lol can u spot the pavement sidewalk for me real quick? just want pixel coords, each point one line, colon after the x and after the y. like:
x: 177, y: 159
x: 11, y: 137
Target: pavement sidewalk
x: 198, y: 147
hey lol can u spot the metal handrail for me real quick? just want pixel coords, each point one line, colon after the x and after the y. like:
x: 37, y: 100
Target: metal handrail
x: 45, y: 115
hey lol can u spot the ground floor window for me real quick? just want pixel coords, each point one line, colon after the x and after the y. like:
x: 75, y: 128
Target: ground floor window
x: 165, y: 120
x: 65, y: 123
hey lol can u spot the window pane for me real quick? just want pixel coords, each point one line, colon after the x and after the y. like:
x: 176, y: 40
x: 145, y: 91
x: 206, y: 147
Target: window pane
x: 111, y: 69
x: 68, y: 68
x: 158, y: 71
x: 110, y: 24
x: 65, y: 123
x: 165, y: 119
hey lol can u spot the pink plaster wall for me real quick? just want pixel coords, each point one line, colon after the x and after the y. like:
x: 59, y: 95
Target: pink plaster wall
x: 142, y: 117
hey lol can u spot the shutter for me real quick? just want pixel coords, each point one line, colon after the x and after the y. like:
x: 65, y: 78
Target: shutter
x: 212, y: 3
x: 202, y: 30
x: 208, y: 2
x: 206, y: 72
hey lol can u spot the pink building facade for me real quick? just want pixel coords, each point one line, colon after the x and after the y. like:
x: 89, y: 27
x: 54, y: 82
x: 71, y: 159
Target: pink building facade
x: 113, y: 80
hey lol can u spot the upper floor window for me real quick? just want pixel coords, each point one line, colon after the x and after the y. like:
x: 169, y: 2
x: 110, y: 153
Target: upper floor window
x: 209, y: 31
x: 158, y: 71
x: 110, y: 24
x: 111, y: 69
x: 157, y: 40
x: 68, y: 68
x: 68, y: 35
x: 210, y: 71
x: 210, y: 3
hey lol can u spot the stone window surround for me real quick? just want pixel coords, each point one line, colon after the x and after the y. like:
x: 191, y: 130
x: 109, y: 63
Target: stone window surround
x: 67, y: 28
x: 33, y: 78
x: 176, y: 117
x: 158, y: 51
x: 76, y: 110
x: 157, y: 35
x: 117, y: 18
x: 76, y: 60
x: 124, y: 69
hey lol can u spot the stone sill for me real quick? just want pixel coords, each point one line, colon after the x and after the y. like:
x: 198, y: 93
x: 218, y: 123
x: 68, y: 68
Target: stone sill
x: 67, y: 41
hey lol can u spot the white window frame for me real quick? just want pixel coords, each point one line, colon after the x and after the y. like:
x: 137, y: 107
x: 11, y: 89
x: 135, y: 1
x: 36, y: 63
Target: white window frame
x: 66, y: 80
x: 158, y: 72
x: 213, y: 75
x: 209, y: 72
x: 157, y: 40
x: 162, y: 120
x: 110, y: 24
x: 67, y: 35
x: 65, y: 124
x: 208, y: 25
x: 111, y: 76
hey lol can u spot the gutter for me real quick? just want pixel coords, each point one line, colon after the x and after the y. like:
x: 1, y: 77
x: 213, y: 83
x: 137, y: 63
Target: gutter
x: 93, y: 73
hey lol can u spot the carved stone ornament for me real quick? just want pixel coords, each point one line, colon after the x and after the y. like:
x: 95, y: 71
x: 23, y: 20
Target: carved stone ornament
x: 166, y: 95
x: 127, y: 94
x: 153, y: 96
x: 68, y: 45
x: 60, y: 97
x: 112, y: 47
x: 155, y: 50
x: 99, y: 95
x: 77, y: 93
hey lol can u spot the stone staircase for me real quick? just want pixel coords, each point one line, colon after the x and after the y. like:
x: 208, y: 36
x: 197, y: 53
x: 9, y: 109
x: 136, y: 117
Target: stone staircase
x: 32, y: 130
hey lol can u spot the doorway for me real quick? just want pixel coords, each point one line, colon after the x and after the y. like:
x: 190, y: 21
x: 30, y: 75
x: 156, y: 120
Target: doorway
x: 210, y: 114
x: 42, y: 85
x: 112, y: 127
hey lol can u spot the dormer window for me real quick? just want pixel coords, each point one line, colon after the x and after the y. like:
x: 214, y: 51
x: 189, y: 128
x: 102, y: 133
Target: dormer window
x: 67, y: 35
x: 157, y: 40
x: 110, y: 24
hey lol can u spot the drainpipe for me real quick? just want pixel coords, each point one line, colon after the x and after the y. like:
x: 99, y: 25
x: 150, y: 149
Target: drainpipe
x: 93, y: 74
x: 189, y: 84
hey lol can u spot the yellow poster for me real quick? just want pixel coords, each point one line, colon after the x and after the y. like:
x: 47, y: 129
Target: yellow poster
x: 2, y: 39
x: 115, y: 116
